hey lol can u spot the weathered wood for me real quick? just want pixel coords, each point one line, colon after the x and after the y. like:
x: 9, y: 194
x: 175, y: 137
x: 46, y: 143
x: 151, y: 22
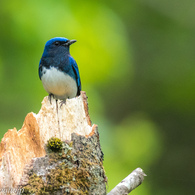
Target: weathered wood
x: 76, y: 168
x: 132, y: 181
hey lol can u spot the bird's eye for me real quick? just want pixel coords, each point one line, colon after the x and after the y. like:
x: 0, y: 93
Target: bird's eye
x: 57, y: 43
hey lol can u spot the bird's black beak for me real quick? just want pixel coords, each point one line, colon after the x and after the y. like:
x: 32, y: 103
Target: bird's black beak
x: 71, y: 42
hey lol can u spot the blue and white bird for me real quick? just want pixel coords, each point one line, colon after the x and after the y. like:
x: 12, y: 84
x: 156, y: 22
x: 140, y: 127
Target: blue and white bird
x: 58, y: 70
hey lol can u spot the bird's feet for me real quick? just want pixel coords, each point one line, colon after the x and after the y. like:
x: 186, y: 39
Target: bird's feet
x: 62, y: 102
x: 50, y: 96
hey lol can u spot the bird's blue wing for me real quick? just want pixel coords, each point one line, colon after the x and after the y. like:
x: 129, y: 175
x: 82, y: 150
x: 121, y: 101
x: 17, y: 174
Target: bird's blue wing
x: 76, y: 71
x: 40, y: 70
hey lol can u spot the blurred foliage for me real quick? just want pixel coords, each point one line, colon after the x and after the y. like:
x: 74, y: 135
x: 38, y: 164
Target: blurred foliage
x: 136, y: 61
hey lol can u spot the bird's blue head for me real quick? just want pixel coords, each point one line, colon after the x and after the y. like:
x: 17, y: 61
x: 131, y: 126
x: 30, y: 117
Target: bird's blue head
x: 57, y: 45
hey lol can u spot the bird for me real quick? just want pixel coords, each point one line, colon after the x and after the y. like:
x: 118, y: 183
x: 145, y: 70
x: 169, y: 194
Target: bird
x: 58, y: 70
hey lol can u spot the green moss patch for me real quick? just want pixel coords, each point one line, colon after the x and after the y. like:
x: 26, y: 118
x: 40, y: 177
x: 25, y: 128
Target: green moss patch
x: 54, y: 144
x: 71, y: 172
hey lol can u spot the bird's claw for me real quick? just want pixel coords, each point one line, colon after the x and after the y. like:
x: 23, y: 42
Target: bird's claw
x: 50, y: 95
x: 62, y: 102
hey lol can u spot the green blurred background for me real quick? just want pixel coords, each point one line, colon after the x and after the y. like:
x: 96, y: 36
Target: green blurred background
x: 136, y: 61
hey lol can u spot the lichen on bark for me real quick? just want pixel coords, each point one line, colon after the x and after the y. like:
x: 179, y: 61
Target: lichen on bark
x: 75, y: 169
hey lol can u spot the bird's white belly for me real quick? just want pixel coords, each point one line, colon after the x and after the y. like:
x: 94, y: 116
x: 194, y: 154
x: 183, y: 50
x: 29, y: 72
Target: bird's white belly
x: 60, y: 84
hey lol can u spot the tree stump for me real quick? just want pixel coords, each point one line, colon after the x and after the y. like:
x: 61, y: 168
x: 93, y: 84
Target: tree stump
x: 35, y: 161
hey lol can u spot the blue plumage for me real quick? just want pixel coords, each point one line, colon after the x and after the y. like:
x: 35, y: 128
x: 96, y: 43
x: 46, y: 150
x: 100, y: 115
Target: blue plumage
x: 58, y: 70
